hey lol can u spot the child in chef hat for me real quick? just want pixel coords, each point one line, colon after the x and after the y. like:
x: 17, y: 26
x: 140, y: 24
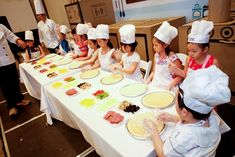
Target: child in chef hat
x: 130, y: 62
x: 64, y: 45
x: 81, y: 31
x: 198, y: 47
x: 107, y: 55
x: 32, y: 52
x: 161, y: 76
x: 198, y: 130
x: 93, y: 45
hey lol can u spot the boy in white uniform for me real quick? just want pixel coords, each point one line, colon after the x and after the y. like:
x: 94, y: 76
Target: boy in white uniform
x: 197, y: 131
x: 130, y: 63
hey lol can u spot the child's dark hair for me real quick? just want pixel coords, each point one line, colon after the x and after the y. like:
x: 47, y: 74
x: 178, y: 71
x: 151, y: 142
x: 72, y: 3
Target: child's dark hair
x: 110, y: 45
x: 95, y: 43
x: 132, y: 45
x: 167, y: 49
x: 196, y: 115
x: 73, y: 31
x: 202, y: 45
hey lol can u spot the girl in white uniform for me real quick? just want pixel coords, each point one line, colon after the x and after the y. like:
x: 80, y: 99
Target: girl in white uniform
x: 198, y: 130
x: 161, y: 76
x: 32, y: 52
x: 106, y: 53
x: 198, y: 48
x: 130, y: 63
x: 92, y: 43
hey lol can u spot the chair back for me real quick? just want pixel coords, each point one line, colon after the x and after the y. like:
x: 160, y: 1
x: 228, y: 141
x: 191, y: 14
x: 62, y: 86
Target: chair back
x: 145, y: 68
x: 182, y: 57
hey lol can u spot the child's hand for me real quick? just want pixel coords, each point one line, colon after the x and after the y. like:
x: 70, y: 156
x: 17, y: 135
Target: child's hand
x: 149, y: 126
x: 173, y: 68
x: 147, y: 81
x: 112, y: 67
x: 115, y: 68
x: 170, y: 86
x: 86, y: 68
x: 166, y: 117
x: 57, y: 51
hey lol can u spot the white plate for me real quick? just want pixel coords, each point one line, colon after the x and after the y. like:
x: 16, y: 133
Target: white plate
x: 133, y: 90
x: 114, y: 124
x: 65, y: 61
x: 50, y: 55
x: 111, y: 79
x: 159, y: 99
x: 135, y: 125
x: 89, y: 74
x: 56, y: 58
x: 75, y: 64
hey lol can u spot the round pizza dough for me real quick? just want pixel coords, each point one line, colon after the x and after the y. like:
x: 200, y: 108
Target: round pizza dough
x: 158, y: 99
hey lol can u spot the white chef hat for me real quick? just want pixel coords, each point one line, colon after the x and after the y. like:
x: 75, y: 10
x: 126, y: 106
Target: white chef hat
x: 29, y: 35
x: 82, y: 29
x: 102, y: 31
x: 200, y: 31
x: 64, y: 29
x: 91, y: 34
x: 205, y: 89
x: 127, y: 33
x: 39, y: 8
x: 166, y: 33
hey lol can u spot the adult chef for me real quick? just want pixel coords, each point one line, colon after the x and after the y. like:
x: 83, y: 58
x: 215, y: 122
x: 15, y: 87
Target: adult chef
x: 9, y: 80
x: 46, y: 28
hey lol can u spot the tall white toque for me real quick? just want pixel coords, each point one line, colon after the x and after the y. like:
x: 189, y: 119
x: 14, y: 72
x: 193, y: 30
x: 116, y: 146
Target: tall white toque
x: 206, y: 88
x: 200, y: 31
x: 64, y: 29
x: 102, y: 31
x: 82, y: 29
x: 166, y: 33
x: 29, y: 35
x: 39, y: 8
x: 91, y: 34
x: 127, y: 33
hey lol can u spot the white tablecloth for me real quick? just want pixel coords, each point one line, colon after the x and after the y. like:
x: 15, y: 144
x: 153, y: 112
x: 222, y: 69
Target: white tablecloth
x: 107, y: 139
x: 34, y: 80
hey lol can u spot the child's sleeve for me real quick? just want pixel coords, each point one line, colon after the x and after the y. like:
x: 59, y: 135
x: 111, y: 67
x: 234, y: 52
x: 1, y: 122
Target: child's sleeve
x: 178, y: 144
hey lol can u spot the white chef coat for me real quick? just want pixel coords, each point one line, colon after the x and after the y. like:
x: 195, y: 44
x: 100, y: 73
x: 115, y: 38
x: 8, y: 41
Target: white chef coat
x: 106, y: 59
x: 6, y: 56
x: 194, y: 140
x: 127, y: 62
x: 47, y: 33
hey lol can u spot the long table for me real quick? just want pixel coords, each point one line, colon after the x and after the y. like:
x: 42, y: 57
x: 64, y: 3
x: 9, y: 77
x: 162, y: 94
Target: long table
x: 107, y: 139
x: 34, y: 80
